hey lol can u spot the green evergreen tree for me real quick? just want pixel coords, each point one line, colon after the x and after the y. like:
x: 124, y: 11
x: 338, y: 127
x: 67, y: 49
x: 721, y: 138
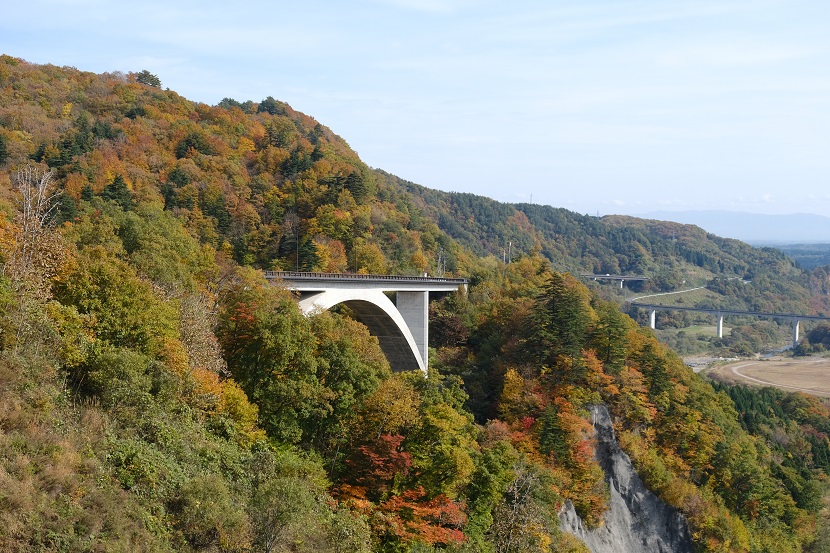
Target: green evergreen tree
x: 653, y: 366
x: 169, y: 195
x: 135, y: 111
x: 229, y: 103
x: 552, y: 437
x: 87, y: 192
x: 118, y: 192
x: 308, y: 259
x: 356, y: 184
x: 178, y: 177
x: 197, y: 142
x: 67, y: 208
x: 4, y: 152
x: 608, y: 337
x: 561, y: 319
x: 270, y: 106
x: 145, y: 77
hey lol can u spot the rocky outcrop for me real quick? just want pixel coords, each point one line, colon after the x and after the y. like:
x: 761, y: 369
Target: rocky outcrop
x: 636, y: 521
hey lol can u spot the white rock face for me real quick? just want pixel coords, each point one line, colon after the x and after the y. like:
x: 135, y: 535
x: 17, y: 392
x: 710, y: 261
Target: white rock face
x: 636, y: 521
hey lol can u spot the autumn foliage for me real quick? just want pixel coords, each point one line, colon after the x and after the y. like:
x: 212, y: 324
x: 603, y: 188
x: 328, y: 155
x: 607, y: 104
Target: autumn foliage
x: 157, y: 393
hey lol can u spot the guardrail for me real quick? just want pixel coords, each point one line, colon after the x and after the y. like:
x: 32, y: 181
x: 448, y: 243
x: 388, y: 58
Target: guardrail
x: 595, y: 276
x: 661, y: 307
x: 290, y: 275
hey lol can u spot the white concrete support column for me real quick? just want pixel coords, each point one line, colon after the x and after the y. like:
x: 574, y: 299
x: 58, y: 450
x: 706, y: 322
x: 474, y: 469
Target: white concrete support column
x: 622, y: 281
x: 652, y: 319
x: 795, y: 333
x: 414, y: 308
x: 720, y: 325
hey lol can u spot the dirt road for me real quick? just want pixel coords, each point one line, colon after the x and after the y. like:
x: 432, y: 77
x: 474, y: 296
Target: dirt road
x: 809, y: 374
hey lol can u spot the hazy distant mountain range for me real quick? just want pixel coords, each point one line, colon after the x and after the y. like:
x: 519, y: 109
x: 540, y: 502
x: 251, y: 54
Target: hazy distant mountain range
x: 754, y: 228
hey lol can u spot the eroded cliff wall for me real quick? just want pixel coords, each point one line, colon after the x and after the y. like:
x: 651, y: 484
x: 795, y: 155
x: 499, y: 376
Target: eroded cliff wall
x: 637, y: 521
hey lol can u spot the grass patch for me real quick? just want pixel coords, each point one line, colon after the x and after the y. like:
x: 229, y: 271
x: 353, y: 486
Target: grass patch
x: 704, y: 330
x: 685, y: 299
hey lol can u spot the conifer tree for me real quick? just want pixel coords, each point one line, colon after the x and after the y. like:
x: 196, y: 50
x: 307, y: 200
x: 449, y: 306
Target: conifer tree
x: 562, y: 317
x: 4, y: 152
x: 145, y: 77
x: 608, y: 337
x: 270, y: 106
x: 118, y: 192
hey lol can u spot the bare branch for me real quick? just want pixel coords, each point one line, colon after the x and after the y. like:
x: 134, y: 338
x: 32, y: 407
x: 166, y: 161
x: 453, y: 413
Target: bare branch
x: 38, y: 203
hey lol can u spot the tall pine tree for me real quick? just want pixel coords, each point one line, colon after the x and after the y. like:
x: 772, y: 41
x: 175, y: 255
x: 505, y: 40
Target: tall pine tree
x: 562, y: 317
x: 118, y: 192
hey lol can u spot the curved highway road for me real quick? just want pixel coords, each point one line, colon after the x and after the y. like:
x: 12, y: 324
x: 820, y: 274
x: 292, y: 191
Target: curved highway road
x: 808, y: 375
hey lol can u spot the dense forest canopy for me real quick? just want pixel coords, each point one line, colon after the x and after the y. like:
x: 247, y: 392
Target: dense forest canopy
x: 156, y: 393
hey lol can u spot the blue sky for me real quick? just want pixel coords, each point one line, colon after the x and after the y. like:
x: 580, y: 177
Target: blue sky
x: 618, y: 106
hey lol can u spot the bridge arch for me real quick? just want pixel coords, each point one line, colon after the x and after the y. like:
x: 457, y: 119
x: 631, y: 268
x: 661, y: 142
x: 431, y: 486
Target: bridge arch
x: 401, y: 328
x: 383, y: 319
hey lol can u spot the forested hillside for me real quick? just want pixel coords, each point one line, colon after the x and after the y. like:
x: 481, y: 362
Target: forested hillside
x: 673, y: 257
x: 157, y: 394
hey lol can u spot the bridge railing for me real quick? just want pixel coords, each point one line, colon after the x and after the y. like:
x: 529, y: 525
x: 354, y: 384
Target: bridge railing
x: 595, y: 276
x: 661, y: 307
x: 291, y: 275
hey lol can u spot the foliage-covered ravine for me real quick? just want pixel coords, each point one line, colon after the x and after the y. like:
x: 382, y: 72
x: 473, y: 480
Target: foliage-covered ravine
x: 157, y: 394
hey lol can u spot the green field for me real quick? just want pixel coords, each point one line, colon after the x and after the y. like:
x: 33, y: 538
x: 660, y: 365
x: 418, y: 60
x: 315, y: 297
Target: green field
x: 704, y: 330
x: 690, y: 298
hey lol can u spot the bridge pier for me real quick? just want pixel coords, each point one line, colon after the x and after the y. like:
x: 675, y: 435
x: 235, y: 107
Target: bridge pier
x: 795, y: 333
x: 652, y: 319
x: 720, y: 313
x: 414, y: 308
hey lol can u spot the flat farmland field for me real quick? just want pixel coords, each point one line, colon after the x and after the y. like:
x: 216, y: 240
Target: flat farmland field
x: 810, y: 375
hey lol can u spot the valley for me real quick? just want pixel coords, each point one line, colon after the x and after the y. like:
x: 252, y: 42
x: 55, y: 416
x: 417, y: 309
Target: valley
x: 810, y: 375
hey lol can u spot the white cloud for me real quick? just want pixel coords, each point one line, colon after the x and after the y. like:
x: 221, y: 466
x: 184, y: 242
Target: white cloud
x: 689, y: 102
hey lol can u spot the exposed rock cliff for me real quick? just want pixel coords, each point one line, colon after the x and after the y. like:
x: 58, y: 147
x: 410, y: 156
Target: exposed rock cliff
x: 637, y: 521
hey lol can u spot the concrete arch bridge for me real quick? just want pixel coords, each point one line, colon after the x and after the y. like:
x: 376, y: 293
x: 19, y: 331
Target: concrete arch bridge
x: 402, y: 327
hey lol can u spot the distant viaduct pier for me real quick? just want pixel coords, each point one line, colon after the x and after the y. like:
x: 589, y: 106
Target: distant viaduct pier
x: 721, y: 313
x: 402, y: 328
x: 621, y: 278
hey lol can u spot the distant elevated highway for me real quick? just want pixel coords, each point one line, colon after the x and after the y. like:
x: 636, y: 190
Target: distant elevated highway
x: 720, y: 313
x: 402, y: 328
x: 621, y: 278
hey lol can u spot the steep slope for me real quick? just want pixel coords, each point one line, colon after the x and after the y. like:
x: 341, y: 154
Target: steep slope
x: 636, y: 520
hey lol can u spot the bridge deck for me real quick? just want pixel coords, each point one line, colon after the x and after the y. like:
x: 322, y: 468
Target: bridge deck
x: 402, y: 328
x: 308, y: 281
x: 660, y: 307
x: 593, y: 276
